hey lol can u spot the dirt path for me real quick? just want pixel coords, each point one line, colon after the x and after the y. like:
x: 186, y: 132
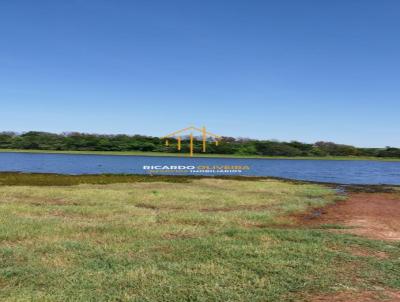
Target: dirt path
x: 373, y: 215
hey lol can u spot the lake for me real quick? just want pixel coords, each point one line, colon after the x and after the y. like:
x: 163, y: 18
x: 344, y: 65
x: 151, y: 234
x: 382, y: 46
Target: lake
x: 333, y: 171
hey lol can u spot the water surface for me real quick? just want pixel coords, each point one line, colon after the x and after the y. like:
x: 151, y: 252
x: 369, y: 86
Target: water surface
x: 336, y: 171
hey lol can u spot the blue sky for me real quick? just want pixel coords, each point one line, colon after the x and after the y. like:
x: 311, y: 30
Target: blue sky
x: 288, y: 70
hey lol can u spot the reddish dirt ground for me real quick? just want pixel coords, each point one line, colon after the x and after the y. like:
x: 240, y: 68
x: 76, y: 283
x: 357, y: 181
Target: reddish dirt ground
x: 384, y: 296
x: 373, y: 215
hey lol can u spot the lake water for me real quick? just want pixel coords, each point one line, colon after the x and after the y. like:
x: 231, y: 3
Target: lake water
x: 344, y: 172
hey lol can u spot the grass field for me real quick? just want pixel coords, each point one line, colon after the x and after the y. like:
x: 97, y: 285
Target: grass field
x: 176, y: 239
x: 141, y: 153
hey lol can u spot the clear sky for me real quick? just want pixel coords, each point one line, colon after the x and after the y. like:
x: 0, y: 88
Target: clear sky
x: 287, y: 70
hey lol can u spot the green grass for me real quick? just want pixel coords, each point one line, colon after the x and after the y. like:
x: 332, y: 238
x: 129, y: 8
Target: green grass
x: 198, y: 239
x: 142, y: 153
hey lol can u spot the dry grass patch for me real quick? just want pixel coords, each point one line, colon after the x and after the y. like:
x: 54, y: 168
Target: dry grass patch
x: 203, y: 240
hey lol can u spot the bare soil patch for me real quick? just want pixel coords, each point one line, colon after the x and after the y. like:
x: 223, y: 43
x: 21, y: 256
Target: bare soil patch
x: 367, y: 296
x: 368, y: 253
x: 373, y: 215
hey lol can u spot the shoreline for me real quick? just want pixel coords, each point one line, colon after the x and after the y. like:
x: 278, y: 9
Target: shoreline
x: 56, y: 179
x: 233, y: 156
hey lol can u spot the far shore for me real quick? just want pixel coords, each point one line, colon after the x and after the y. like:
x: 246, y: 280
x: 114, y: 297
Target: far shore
x: 198, y: 155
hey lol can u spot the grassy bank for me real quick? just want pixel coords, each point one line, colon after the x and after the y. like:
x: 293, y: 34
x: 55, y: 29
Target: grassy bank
x: 141, y: 153
x: 176, y: 239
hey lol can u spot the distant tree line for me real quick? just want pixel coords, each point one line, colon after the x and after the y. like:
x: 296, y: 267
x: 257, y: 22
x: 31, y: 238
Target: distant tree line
x: 74, y: 141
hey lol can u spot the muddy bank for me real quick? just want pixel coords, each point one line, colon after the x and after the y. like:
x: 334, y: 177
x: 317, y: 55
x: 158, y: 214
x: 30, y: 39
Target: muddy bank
x: 53, y: 179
